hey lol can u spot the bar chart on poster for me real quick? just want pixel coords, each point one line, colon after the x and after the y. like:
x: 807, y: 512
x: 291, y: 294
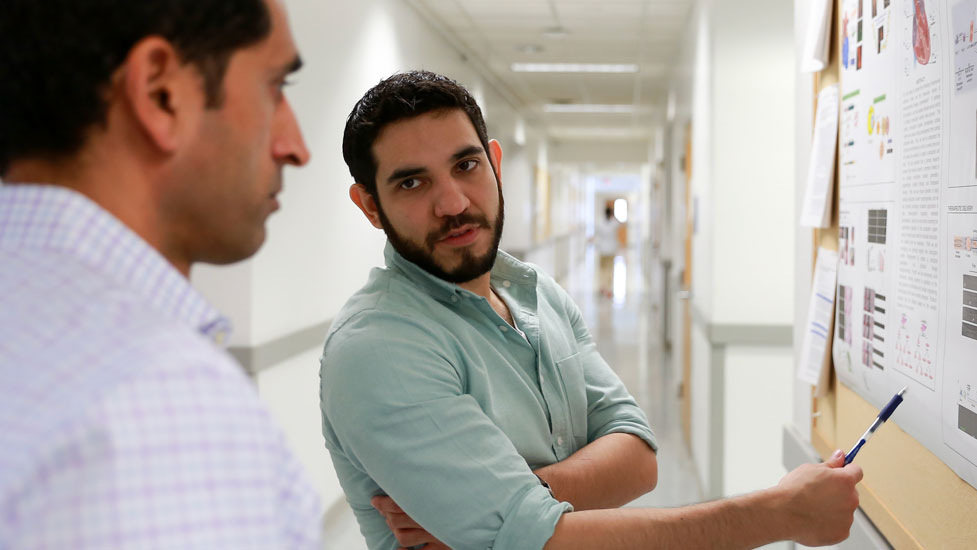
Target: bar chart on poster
x: 906, y: 303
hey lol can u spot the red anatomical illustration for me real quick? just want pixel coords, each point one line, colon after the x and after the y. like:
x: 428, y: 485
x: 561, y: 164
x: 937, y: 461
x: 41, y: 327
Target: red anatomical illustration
x: 921, y: 34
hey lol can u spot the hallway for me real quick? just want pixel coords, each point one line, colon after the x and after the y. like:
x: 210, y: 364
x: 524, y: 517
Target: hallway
x: 628, y: 332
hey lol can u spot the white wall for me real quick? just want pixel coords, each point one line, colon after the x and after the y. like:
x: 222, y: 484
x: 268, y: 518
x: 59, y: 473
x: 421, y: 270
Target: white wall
x: 517, y: 178
x: 320, y: 248
x: 751, y: 197
x: 755, y: 409
x: 803, y: 245
x: 701, y: 425
x: 742, y: 96
x: 701, y: 166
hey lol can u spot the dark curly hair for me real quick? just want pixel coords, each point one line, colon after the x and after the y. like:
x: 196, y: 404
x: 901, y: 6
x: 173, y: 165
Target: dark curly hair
x: 401, y: 96
x: 57, y: 57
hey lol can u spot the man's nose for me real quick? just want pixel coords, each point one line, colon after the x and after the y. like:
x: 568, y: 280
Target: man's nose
x: 288, y: 146
x: 451, y: 199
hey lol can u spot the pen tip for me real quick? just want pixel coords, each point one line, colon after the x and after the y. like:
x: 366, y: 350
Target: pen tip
x: 903, y: 390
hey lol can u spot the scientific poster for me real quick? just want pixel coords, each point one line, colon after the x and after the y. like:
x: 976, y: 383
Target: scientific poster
x: 906, y: 303
x: 959, y: 243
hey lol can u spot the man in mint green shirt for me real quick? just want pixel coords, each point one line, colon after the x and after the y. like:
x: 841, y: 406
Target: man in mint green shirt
x: 464, y: 402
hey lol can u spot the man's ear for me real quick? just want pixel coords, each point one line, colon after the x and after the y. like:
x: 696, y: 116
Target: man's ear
x: 365, y: 201
x: 160, y: 91
x: 495, y: 150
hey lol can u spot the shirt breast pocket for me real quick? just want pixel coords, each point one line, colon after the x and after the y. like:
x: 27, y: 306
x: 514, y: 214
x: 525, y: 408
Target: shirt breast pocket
x: 575, y: 389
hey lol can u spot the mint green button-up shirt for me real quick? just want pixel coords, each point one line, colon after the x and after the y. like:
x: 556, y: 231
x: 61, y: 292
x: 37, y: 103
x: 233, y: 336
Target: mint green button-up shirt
x: 430, y: 397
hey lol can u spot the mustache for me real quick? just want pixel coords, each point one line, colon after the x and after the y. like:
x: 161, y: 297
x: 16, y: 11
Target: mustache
x: 453, y: 223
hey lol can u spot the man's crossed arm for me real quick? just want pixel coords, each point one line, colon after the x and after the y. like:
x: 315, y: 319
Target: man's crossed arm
x: 812, y: 505
x: 607, y: 473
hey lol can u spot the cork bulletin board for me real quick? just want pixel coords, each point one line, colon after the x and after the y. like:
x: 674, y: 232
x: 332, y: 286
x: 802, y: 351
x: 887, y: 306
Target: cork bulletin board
x: 912, y: 495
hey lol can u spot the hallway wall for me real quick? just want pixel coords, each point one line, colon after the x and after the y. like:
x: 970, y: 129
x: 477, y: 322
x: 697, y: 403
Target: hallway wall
x: 320, y: 248
x: 739, y: 75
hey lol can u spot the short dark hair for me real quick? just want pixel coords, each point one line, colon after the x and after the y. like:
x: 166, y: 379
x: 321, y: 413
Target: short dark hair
x: 401, y: 96
x: 57, y: 58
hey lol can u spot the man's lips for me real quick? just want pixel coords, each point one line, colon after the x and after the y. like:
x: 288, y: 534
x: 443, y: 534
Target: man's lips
x: 275, y: 205
x: 461, y: 236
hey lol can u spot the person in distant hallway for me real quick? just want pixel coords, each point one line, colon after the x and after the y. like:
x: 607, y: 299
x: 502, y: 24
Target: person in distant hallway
x: 136, y: 139
x: 607, y: 246
x: 464, y: 402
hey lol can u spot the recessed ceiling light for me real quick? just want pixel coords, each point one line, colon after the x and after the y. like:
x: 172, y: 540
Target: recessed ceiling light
x: 555, y: 32
x: 574, y: 67
x: 529, y: 49
x: 588, y: 108
x: 598, y: 132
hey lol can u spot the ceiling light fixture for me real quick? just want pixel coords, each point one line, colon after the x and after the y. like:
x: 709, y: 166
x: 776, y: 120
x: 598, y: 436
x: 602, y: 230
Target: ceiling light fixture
x: 588, y: 108
x: 574, y: 67
x: 555, y: 32
x: 529, y: 49
x: 598, y: 133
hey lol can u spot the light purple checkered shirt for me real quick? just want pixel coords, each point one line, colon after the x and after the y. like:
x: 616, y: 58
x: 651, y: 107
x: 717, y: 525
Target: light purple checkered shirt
x: 122, y: 424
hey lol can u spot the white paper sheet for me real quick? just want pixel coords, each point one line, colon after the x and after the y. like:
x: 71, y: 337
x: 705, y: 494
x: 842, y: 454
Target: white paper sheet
x: 814, y: 365
x: 817, y: 39
x: 820, y: 173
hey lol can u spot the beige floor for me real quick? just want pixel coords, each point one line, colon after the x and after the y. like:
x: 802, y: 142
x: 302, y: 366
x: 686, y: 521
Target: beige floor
x: 628, y: 331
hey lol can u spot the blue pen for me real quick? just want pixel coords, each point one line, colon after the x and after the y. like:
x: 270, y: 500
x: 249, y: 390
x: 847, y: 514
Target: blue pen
x: 884, y: 415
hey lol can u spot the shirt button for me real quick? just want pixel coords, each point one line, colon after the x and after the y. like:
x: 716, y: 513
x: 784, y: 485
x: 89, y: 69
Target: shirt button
x: 503, y: 328
x: 506, y: 284
x: 454, y: 298
x: 559, y: 440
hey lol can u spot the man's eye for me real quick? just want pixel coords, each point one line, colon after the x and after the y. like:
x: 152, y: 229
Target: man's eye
x: 467, y: 165
x: 412, y: 183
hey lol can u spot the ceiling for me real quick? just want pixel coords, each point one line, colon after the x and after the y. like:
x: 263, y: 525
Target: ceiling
x: 642, y: 32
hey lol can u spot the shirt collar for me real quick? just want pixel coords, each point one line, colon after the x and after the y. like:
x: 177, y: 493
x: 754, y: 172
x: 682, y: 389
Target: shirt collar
x: 50, y: 218
x: 506, y: 268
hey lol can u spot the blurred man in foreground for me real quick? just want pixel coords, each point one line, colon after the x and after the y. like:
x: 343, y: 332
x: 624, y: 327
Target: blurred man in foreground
x: 136, y: 139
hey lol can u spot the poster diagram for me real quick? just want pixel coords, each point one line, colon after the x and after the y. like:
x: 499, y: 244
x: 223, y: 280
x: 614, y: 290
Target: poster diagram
x: 915, y: 350
x: 922, y: 43
x: 967, y: 410
x: 852, y: 22
x: 877, y: 228
x: 862, y: 343
x: 963, y: 100
x: 873, y: 329
x: 848, y: 132
x: 879, y: 127
x: 881, y: 24
x: 922, y: 40
x: 968, y: 328
x: 846, y: 245
x: 869, y: 109
x: 843, y: 332
x: 964, y: 47
x: 960, y: 389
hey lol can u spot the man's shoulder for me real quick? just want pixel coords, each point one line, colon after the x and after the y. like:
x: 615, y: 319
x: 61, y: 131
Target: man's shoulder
x: 55, y: 303
x: 75, y: 341
x: 547, y: 288
x: 389, y: 301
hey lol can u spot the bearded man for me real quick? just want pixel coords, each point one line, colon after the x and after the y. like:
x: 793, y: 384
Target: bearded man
x: 464, y: 402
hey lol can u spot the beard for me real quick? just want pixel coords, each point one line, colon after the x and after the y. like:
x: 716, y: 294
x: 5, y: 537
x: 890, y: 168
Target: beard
x: 470, y: 267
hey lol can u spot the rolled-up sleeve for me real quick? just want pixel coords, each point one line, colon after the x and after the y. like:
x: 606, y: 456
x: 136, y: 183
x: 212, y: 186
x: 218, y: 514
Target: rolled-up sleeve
x: 397, y: 418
